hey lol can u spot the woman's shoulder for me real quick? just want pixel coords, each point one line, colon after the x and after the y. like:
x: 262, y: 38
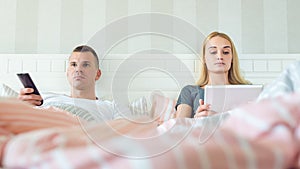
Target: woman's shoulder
x: 192, y: 88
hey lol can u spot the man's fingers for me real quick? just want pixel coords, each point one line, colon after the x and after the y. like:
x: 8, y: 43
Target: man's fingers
x: 26, y: 91
x: 34, y: 102
x: 31, y: 99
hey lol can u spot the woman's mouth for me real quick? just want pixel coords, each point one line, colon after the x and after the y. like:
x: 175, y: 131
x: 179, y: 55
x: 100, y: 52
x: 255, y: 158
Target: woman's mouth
x: 219, y: 63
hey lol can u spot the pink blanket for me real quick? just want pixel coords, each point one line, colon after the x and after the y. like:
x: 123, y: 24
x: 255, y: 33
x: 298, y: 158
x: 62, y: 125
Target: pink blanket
x: 258, y: 135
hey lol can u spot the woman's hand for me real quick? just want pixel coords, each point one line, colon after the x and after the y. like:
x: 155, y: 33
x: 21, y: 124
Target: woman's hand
x: 203, y: 110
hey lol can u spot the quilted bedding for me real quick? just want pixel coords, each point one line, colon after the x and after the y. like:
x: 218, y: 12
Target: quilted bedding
x: 257, y: 135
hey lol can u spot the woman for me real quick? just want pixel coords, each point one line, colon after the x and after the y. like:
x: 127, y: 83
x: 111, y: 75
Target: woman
x: 220, y: 66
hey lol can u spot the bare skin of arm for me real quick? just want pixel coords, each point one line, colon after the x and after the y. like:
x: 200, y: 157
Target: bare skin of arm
x: 183, y: 110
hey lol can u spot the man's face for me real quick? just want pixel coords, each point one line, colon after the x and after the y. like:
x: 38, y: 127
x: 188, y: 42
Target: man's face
x: 82, y: 71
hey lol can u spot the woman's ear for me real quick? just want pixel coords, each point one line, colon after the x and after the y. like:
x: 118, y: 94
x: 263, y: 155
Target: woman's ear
x: 98, y: 75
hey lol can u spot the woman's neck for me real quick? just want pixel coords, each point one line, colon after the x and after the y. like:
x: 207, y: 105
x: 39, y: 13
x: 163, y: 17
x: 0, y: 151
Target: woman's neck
x: 218, y: 79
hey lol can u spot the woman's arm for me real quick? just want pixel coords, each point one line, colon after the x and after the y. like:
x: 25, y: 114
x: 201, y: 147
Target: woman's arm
x: 183, y: 110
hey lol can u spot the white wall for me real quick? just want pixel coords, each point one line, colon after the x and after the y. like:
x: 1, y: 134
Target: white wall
x: 56, y: 26
x: 37, y: 35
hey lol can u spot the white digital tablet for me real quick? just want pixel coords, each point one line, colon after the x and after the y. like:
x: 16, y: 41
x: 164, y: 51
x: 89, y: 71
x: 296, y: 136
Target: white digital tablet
x: 226, y: 97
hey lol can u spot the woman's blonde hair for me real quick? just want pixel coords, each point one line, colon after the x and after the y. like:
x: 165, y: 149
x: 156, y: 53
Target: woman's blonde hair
x: 234, y: 74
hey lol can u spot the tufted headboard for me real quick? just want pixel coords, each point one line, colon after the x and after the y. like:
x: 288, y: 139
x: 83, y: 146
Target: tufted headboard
x: 136, y: 76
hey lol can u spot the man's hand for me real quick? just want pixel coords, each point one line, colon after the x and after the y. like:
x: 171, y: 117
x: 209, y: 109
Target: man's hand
x: 33, y: 99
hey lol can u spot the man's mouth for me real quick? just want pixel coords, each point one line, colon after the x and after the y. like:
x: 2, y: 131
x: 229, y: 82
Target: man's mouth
x: 78, y: 77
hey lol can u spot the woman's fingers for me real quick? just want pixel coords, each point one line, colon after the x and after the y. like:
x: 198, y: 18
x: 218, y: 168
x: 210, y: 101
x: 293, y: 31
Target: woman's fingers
x: 201, y: 114
x: 204, y: 113
x: 202, y: 110
x: 201, y: 102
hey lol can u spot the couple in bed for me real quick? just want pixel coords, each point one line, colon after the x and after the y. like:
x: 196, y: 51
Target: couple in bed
x: 245, y: 146
x: 219, y: 66
x: 257, y: 135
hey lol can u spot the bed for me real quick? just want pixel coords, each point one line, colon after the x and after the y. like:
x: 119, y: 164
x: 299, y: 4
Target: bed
x: 258, y: 135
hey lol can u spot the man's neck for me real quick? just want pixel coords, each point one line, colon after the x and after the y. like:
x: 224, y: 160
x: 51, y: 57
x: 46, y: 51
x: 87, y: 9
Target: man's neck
x: 84, y: 94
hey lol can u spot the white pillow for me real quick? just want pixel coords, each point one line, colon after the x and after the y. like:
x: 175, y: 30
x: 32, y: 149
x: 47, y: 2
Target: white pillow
x: 6, y: 91
x: 140, y: 107
x: 163, y: 108
x: 135, y: 109
x: 75, y: 110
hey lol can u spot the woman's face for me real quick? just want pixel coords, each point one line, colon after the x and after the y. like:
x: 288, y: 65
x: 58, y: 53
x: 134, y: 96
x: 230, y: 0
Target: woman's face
x: 218, y: 55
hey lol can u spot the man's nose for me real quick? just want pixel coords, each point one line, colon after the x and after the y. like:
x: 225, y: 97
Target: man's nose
x: 78, y: 68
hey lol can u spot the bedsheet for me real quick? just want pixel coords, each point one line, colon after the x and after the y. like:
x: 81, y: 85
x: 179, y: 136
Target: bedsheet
x: 258, y: 135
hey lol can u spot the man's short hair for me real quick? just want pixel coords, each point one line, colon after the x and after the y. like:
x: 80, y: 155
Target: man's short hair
x: 85, y: 48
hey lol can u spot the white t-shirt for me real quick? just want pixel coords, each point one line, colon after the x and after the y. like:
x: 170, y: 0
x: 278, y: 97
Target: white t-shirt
x: 91, y: 110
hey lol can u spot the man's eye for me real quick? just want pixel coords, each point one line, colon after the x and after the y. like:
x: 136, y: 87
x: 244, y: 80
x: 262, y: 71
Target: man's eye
x: 85, y: 65
x: 73, y: 64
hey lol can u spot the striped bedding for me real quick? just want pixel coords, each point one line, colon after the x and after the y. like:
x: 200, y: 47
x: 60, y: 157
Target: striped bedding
x: 257, y: 135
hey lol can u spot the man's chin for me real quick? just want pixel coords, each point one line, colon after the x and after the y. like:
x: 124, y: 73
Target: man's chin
x: 77, y: 85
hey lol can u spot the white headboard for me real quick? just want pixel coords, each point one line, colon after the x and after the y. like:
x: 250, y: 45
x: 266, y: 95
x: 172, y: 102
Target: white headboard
x: 165, y: 74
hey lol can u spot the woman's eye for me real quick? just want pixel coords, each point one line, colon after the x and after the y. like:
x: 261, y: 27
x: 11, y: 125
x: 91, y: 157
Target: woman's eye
x: 226, y: 53
x: 213, y: 52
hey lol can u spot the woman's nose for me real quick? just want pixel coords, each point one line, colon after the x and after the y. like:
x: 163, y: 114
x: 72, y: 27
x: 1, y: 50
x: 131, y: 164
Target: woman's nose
x: 220, y: 56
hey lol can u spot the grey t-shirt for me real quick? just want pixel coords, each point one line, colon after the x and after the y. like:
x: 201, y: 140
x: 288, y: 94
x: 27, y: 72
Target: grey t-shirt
x: 190, y: 95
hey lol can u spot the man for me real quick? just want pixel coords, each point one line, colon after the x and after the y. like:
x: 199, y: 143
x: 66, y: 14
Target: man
x: 82, y: 73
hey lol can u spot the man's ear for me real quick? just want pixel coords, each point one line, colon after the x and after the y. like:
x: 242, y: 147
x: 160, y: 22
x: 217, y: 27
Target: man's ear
x: 98, y: 75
